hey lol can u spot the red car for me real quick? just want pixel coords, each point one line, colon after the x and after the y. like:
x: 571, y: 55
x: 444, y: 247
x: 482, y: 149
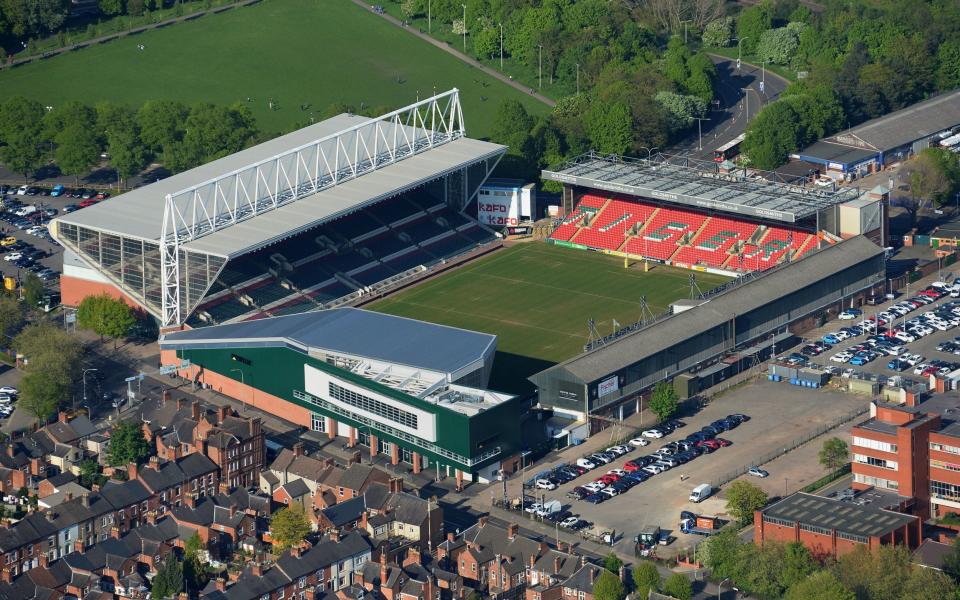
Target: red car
x: 712, y: 444
x: 88, y: 202
x: 608, y: 478
x: 723, y: 442
x: 631, y: 466
x: 102, y: 195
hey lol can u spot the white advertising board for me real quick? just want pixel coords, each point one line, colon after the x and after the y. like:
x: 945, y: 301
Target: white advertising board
x: 607, y: 386
x: 498, y: 208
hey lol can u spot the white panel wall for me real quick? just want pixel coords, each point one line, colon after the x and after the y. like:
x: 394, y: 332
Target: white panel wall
x: 317, y: 383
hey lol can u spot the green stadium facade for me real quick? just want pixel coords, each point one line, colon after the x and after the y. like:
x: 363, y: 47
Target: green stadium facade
x: 412, y: 391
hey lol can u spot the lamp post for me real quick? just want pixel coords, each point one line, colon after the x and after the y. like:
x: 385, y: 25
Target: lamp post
x: 85, y: 371
x: 501, y: 46
x: 464, y: 27
x: 739, y: 51
x: 746, y: 96
x: 700, y: 132
x: 720, y: 587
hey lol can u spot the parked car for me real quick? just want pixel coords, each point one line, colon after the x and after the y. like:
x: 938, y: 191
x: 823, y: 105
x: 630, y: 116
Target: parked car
x: 652, y: 433
x: 545, y: 484
x: 639, y: 442
x: 57, y: 190
x: 757, y: 472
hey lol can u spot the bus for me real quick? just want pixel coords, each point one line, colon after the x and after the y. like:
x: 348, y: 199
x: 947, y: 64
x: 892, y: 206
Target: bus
x: 728, y: 150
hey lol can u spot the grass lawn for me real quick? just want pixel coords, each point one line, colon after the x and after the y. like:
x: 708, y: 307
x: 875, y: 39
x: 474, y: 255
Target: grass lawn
x: 537, y: 299
x: 294, y: 51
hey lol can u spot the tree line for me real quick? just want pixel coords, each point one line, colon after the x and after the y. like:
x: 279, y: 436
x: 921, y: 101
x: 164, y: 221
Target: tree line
x: 791, y: 571
x: 639, y: 88
x: 76, y: 136
x: 861, y: 59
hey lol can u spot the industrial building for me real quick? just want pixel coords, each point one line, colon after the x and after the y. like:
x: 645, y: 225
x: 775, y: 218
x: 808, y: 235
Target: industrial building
x: 870, y: 146
x: 830, y: 528
x: 713, y: 337
x: 411, y: 390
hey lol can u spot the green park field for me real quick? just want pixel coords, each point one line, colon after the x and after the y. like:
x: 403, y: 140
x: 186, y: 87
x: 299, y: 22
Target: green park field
x: 295, y: 52
x: 537, y: 298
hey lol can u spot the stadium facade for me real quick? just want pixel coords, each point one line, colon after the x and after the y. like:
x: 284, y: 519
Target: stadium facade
x: 313, y: 219
x: 736, y: 324
x: 411, y: 390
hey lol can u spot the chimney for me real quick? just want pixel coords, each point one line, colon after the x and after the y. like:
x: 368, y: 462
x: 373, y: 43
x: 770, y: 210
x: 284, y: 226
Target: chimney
x: 68, y: 496
x: 329, y: 462
x: 451, y: 536
x: 189, y: 500
x: 384, y: 571
x: 166, y: 396
x: 95, y: 488
x: 533, y: 561
x: 482, y: 521
x: 62, y: 417
x: 298, y: 449
x: 623, y: 574
x: 224, y: 488
x: 223, y: 413
x: 253, y: 425
x: 132, y: 471
x: 583, y: 561
x: 10, y: 450
x: 556, y: 564
x: 155, y: 463
x: 152, y: 517
x: 396, y: 484
x: 85, y: 499
x: 512, y: 530
x: 195, y: 410
x: 233, y: 509
x: 591, y: 571
x: 334, y: 535
x: 221, y: 584
x: 363, y: 520
x: 257, y: 570
x: 115, y: 532
x: 181, y: 402
x: 296, y: 551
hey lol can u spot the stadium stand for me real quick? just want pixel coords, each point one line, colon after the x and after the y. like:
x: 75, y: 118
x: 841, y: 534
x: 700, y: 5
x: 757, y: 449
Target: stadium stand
x: 680, y: 236
x: 318, y: 267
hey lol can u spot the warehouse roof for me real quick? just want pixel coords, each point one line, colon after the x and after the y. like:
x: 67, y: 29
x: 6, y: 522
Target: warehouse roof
x: 902, y: 127
x: 349, y: 331
x: 838, y: 515
x: 718, y: 310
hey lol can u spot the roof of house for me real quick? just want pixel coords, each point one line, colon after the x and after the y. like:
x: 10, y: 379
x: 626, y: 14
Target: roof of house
x: 296, y: 488
x: 583, y: 578
x: 345, y: 512
x: 350, y: 331
x: 932, y: 554
x: 832, y: 514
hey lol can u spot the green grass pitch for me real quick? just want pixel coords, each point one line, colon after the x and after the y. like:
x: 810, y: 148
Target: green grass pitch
x: 295, y: 51
x: 537, y: 298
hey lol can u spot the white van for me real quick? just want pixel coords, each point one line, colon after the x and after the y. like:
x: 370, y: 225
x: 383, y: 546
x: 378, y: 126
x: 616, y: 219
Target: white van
x: 701, y: 492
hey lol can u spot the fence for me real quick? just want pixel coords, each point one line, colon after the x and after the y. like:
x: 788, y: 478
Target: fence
x: 792, y: 445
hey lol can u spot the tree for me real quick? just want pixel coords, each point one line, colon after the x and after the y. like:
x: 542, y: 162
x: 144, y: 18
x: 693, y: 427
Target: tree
x: 211, y: 132
x: 834, y: 454
x: 612, y: 563
x: 675, y: 61
x: 168, y: 582
x: 194, y: 569
x: 11, y: 318
x: 486, y: 42
x: 667, y: 14
x: 948, y: 59
x: 90, y: 473
x: 751, y: 24
x: 124, y: 147
x: 106, y: 316
x: 880, y: 573
x: 40, y: 395
x: 32, y: 290
x: 718, y: 33
x: 609, y: 126
x: 21, y: 127
x: 110, y: 7
x: 928, y: 584
x: 778, y: 45
x: 681, y: 109
x: 743, y: 498
x: 678, y: 586
x: 821, y: 585
x: 288, y: 526
x: 951, y: 562
x: 127, y: 445
x: 608, y: 587
x: 512, y: 126
x: 161, y: 124
x: 71, y: 112
x: 77, y: 151
x: 664, y: 401
x: 646, y: 578
x: 771, y: 135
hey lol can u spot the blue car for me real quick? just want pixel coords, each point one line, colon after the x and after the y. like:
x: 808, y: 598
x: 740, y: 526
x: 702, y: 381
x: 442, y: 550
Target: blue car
x: 859, y: 361
x: 831, y: 339
x: 57, y: 190
x: 595, y: 498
